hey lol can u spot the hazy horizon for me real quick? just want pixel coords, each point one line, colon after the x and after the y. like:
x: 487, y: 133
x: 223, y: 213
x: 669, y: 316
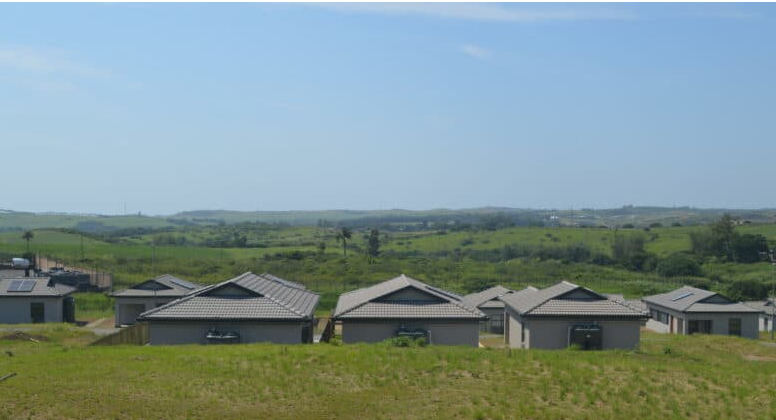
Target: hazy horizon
x: 271, y: 107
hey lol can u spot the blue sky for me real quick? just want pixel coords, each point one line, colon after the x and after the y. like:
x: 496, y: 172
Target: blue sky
x: 172, y: 107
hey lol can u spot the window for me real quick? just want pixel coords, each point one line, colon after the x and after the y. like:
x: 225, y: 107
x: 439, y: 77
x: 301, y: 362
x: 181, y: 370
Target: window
x: 734, y: 326
x: 701, y: 326
x: 37, y: 312
x: 661, y: 317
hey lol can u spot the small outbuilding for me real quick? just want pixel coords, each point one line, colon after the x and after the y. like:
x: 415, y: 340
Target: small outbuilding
x: 249, y: 308
x: 565, y: 315
x: 488, y: 302
x: 35, y: 300
x: 767, y: 308
x: 404, y: 306
x: 690, y: 310
x: 150, y: 294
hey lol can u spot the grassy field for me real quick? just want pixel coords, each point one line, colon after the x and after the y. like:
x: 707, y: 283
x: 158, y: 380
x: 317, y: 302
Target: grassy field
x: 429, y: 256
x: 670, y: 377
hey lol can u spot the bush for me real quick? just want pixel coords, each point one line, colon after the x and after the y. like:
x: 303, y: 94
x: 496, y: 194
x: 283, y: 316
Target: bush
x: 747, y: 290
x: 405, y: 341
x: 678, y: 264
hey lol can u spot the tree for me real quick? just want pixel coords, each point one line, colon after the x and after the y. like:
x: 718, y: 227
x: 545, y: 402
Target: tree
x: 27, y: 236
x: 747, y: 247
x: 722, y: 233
x: 373, y: 243
x: 629, y: 250
x: 321, y: 248
x: 342, y: 236
x: 678, y: 264
x: 747, y: 290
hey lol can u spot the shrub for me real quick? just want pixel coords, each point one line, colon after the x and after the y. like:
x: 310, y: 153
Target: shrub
x: 678, y: 264
x: 405, y: 341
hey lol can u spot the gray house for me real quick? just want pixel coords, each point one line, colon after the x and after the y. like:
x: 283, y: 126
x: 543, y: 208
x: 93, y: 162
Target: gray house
x: 407, y: 307
x: 249, y: 308
x: 35, y: 299
x: 689, y: 310
x: 567, y: 314
x: 488, y: 301
x: 767, y: 308
x: 130, y: 303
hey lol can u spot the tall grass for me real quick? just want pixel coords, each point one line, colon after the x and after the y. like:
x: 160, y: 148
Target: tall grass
x: 704, y: 377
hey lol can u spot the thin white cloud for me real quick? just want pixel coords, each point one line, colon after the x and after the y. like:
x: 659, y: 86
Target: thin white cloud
x: 29, y: 60
x: 482, y: 11
x: 475, y: 51
x: 49, y: 86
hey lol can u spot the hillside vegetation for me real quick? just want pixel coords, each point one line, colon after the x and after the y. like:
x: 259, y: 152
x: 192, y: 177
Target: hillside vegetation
x: 463, y: 258
x: 670, y: 377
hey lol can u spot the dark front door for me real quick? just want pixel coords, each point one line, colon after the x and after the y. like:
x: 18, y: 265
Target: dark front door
x: 37, y: 312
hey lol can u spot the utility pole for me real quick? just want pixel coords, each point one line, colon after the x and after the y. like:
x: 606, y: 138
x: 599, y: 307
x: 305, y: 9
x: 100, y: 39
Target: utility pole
x: 773, y: 292
x: 153, y: 259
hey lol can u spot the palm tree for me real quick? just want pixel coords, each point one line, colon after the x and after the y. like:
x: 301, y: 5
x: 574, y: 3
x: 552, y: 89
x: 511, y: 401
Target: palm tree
x: 27, y: 236
x: 343, y: 235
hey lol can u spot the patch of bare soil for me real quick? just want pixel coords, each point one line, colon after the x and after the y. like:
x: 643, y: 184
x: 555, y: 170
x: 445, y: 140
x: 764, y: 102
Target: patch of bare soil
x: 754, y: 358
x: 18, y: 335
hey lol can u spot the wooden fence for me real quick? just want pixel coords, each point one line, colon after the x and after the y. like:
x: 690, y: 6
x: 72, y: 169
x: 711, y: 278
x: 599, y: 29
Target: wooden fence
x: 137, y: 334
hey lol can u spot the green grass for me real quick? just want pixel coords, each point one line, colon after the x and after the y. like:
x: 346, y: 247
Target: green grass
x: 92, y: 306
x: 703, y: 377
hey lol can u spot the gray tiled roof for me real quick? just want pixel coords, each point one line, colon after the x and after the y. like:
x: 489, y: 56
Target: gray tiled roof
x: 165, y: 285
x: 691, y: 299
x: 42, y: 288
x: 365, y: 304
x: 603, y: 307
x: 485, y: 296
x: 555, y: 301
x: 767, y: 306
x: 263, y: 297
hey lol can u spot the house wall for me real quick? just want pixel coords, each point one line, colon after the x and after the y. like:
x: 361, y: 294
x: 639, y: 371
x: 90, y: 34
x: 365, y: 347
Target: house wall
x: 167, y: 333
x: 16, y: 310
x: 126, y: 308
x: 765, y: 322
x: 554, y: 333
x: 719, y: 322
x: 515, y: 325
x: 442, y: 332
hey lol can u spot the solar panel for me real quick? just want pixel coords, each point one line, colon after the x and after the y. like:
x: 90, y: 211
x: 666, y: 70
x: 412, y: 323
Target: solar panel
x: 21, y: 286
x: 682, y: 296
x: 183, y: 283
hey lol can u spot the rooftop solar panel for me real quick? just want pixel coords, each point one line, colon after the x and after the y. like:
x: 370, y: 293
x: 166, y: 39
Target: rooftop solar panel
x: 27, y: 286
x: 21, y: 286
x: 682, y: 296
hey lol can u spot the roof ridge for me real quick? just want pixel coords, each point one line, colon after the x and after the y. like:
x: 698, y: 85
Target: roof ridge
x: 544, y: 300
x: 344, y: 311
